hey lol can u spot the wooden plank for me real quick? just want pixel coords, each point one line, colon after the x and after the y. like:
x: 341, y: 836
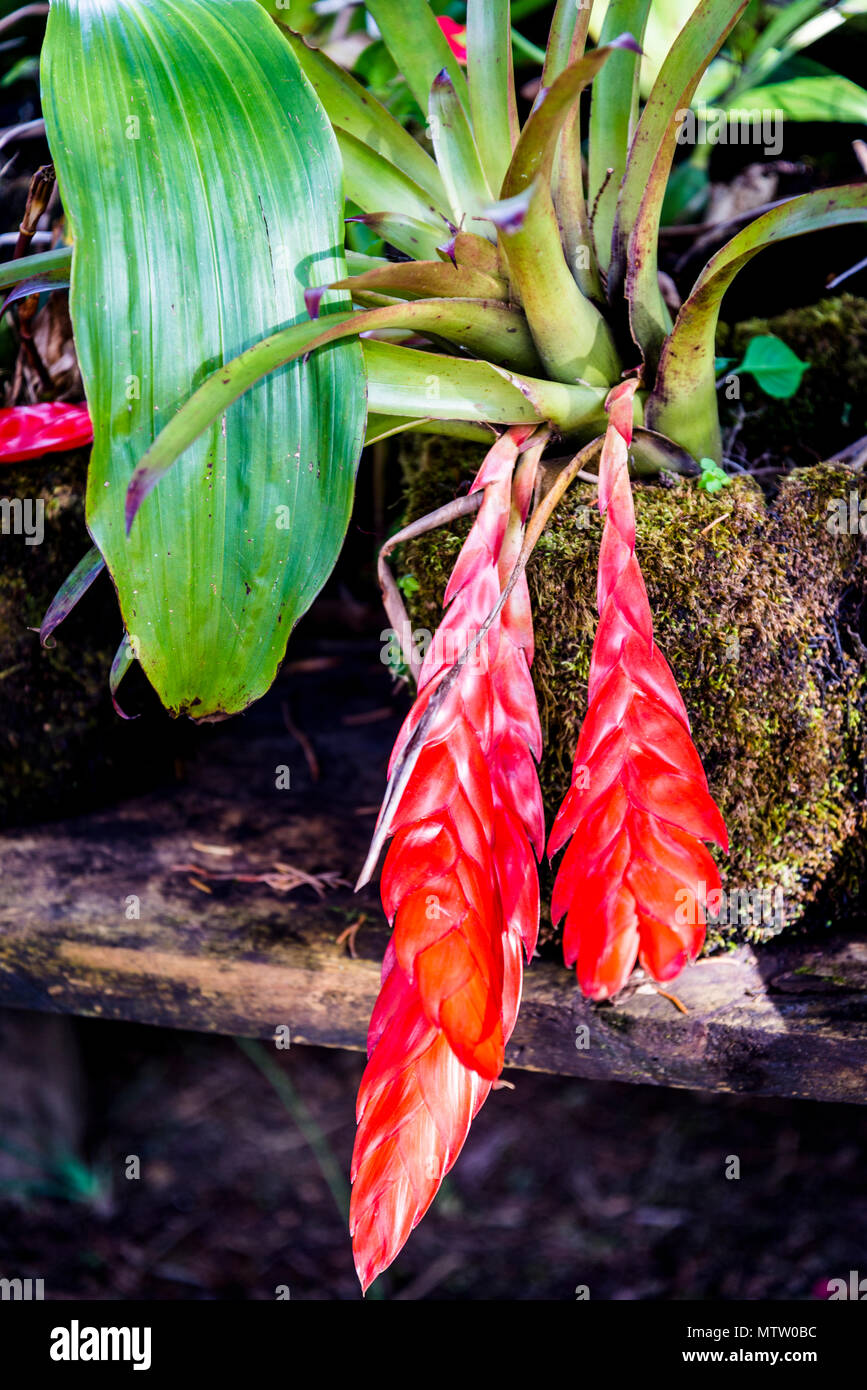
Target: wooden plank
x: 788, y: 1019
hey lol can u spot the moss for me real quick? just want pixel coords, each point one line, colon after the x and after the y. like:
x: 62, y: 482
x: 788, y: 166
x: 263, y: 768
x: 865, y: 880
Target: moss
x: 760, y: 610
x: 830, y: 407
x: 62, y: 747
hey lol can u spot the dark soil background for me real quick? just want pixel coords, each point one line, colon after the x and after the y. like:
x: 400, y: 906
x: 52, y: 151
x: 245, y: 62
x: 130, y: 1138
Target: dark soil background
x: 562, y: 1183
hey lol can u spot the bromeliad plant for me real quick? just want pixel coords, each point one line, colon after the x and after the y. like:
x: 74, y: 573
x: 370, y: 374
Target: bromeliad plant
x: 236, y: 358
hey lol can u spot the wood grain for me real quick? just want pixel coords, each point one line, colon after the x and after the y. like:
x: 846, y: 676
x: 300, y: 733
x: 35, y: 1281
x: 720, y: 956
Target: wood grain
x: 785, y: 1019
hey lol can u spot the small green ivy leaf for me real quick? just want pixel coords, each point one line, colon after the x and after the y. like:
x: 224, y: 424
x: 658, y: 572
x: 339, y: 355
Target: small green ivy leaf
x: 712, y: 476
x: 777, y: 369
x: 408, y: 585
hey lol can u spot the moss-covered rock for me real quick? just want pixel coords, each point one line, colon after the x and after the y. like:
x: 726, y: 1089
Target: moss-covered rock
x: 760, y: 610
x: 830, y: 406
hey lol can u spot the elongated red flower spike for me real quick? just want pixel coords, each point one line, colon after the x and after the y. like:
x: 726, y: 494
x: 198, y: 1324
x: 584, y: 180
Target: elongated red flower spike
x: 634, y: 880
x: 459, y: 883
x: 28, y: 431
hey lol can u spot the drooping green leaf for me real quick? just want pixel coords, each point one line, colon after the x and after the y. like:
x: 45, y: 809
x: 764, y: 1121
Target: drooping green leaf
x: 683, y: 403
x: 613, y: 117
x: 777, y: 369
x: 74, y: 586
x: 202, y: 182
x: 476, y: 325
x: 45, y: 263
x: 639, y: 208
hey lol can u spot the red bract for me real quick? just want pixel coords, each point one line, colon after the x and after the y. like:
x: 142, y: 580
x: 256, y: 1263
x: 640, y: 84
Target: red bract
x: 635, y: 877
x: 27, y: 431
x: 459, y: 883
x: 455, y: 35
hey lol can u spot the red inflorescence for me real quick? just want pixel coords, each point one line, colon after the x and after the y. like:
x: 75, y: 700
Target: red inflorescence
x: 635, y: 877
x: 460, y: 884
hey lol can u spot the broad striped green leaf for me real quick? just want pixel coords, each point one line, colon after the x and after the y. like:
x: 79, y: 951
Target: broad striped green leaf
x: 202, y: 181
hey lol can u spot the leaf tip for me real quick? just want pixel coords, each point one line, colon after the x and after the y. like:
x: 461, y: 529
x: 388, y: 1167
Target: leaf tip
x: 627, y: 41
x: 313, y: 299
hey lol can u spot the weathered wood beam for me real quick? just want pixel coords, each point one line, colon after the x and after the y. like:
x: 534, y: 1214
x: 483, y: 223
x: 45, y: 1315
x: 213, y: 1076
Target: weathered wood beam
x: 97, y: 919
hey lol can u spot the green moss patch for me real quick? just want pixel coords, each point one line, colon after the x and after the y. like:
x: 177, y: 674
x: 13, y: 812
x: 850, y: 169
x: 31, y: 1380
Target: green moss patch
x: 760, y: 610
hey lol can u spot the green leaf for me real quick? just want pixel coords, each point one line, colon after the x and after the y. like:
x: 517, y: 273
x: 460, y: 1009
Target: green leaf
x: 456, y: 152
x: 418, y: 46
x: 35, y: 274
x: 405, y: 382
x: 573, y: 339
x: 415, y: 238
x: 712, y: 476
x: 500, y: 329
x: 491, y: 79
x: 351, y: 107
x: 378, y: 186
x: 639, y: 208
x: 777, y: 369
x: 384, y: 426
x: 567, y: 37
x: 426, y: 279
x: 667, y: 19
x: 49, y: 268
x: 613, y: 117
x: 76, y: 584
x: 566, y: 41
x: 202, y: 181
x: 683, y: 403
x: 810, y: 97
x: 781, y: 34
